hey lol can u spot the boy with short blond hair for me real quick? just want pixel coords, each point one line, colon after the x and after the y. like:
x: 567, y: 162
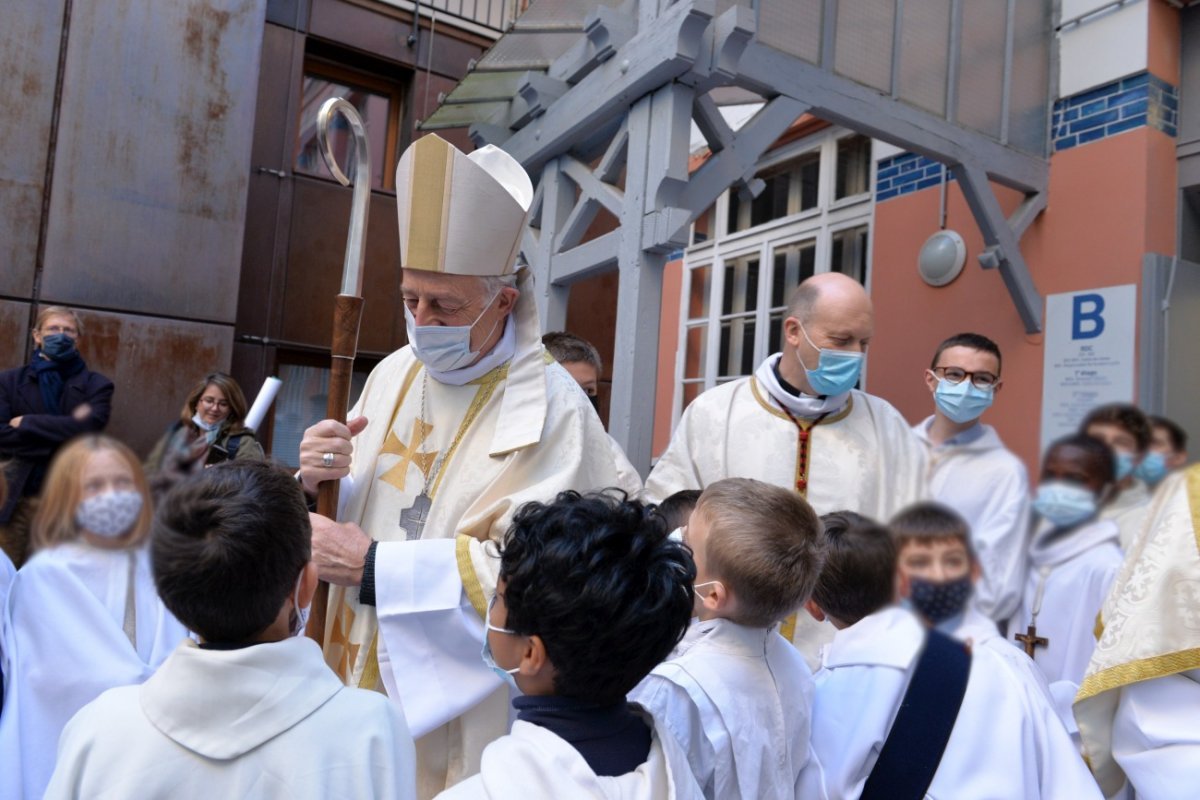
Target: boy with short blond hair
x: 735, y: 694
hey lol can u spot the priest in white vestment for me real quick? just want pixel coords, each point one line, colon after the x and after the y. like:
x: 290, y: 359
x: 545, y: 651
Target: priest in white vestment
x: 1137, y: 707
x: 972, y: 472
x: 452, y: 433
x: 798, y: 422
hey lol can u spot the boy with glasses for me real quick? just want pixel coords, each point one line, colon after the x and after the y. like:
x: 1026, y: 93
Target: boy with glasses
x: 972, y: 472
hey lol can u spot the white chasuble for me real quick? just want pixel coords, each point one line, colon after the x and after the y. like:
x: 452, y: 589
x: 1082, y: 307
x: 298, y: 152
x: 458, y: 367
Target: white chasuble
x: 446, y: 442
x: 1137, y: 706
x: 67, y: 639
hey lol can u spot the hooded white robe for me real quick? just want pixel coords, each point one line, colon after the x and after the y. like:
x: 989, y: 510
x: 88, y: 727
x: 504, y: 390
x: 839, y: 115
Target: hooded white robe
x: 1006, y: 743
x: 533, y: 763
x: 738, y: 702
x: 266, y: 721
x: 65, y: 644
x: 1129, y: 511
x: 984, y: 482
x: 480, y: 452
x: 1079, y: 567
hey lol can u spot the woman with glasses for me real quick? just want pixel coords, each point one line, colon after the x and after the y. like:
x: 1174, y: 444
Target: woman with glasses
x: 214, y: 411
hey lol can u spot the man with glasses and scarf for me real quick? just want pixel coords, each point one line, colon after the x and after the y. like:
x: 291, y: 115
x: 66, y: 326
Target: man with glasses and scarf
x: 972, y: 472
x: 43, y: 404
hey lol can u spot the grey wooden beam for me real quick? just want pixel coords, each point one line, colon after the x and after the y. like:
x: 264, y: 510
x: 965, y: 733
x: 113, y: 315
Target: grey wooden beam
x: 557, y: 197
x: 1002, y: 244
x: 586, y: 260
x: 842, y: 101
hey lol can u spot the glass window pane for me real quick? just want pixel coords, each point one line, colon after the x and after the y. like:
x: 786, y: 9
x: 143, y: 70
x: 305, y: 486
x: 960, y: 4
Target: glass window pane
x: 737, y: 347
x: 775, y: 331
x: 691, y: 391
x: 772, y: 202
x: 853, y: 166
x: 793, y: 263
x: 849, y: 253
x: 809, y: 173
x: 371, y: 106
x: 300, y: 404
x: 698, y: 297
x: 741, y: 285
x: 697, y: 349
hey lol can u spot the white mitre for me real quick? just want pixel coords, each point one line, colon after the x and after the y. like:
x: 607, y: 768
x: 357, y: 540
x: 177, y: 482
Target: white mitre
x: 463, y: 214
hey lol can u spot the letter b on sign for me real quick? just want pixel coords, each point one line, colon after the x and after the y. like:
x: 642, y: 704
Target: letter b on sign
x: 1087, y: 321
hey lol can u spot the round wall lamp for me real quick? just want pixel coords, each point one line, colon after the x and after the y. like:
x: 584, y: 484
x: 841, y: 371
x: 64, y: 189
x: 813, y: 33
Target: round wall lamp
x: 942, y: 258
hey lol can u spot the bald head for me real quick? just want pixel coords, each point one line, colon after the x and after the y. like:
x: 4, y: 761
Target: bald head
x: 829, y: 289
x: 826, y: 312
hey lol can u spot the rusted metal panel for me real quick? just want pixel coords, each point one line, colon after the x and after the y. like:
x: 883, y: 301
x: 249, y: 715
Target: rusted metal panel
x: 29, y: 43
x: 320, y: 220
x: 149, y: 194
x: 153, y: 363
x: 14, y: 333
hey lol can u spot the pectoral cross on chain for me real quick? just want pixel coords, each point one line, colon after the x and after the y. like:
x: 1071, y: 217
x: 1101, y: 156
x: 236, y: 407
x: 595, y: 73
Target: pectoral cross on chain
x: 412, y: 519
x: 1030, y: 640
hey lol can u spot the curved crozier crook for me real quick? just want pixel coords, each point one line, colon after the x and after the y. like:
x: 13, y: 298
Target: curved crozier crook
x: 357, y: 239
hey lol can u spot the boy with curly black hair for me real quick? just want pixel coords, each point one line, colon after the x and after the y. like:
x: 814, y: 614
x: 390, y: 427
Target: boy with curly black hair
x: 591, y: 596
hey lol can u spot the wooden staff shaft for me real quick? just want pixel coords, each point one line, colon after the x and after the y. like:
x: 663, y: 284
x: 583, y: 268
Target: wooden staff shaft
x: 347, y: 314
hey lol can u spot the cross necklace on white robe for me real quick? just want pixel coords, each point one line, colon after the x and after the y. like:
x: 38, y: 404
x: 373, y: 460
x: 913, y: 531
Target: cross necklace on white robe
x: 413, y: 518
x: 1029, y: 639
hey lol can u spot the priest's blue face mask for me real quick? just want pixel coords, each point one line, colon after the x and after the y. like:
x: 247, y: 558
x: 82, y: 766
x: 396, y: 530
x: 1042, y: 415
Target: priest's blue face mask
x: 445, y: 348
x: 962, y: 401
x: 1151, y: 469
x: 505, y: 675
x: 1064, y: 504
x: 837, y: 370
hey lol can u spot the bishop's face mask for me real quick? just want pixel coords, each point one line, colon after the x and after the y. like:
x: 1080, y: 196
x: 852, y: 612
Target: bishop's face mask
x: 938, y: 601
x: 837, y: 370
x: 445, y: 348
x: 1064, y: 504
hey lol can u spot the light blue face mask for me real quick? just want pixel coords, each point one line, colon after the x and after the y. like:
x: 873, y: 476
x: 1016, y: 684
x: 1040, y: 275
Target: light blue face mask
x: 505, y: 675
x: 1125, y: 465
x: 837, y: 370
x: 962, y: 401
x: 1064, y: 504
x: 1152, y: 469
x: 445, y: 348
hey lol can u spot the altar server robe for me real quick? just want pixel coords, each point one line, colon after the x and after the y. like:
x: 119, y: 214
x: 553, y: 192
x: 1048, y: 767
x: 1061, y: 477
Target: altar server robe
x: 266, y: 721
x: 984, y: 482
x: 1137, y: 705
x: 1129, y: 511
x: 1006, y: 743
x: 738, y: 702
x: 1079, y: 568
x: 533, y: 763
x: 479, y: 451
x: 65, y: 644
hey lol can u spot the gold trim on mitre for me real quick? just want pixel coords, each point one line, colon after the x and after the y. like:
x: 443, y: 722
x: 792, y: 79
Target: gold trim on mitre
x: 460, y: 214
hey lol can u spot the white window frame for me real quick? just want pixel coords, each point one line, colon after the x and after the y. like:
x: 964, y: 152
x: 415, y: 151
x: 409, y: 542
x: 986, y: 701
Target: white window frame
x: 817, y: 225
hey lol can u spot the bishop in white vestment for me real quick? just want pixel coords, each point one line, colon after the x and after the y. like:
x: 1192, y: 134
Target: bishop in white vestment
x: 1137, y: 706
x: 463, y: 426
x: 1006, y: 742
x: 79, y: 620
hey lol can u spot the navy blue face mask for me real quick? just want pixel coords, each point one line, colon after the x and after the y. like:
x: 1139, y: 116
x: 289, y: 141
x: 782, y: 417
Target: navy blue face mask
x: 938, y: 601
x: 57, y: 346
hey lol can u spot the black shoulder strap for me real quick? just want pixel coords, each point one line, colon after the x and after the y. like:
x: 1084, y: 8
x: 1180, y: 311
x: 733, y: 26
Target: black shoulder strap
x: 917, y: 740
x: 231, y: 447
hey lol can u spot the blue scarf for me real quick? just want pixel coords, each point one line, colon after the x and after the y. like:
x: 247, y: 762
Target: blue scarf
x: 52, y: 375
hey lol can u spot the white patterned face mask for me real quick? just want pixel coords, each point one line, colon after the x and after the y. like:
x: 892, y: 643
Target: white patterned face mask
x: 111, y: 514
